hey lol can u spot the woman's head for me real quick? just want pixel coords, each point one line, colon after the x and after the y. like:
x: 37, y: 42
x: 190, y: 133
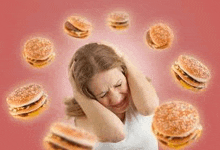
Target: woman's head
x: 111, y: 89
x: 92, y: 59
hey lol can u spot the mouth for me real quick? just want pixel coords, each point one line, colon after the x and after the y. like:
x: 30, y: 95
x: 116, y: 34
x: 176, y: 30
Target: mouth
x: 121, y: 104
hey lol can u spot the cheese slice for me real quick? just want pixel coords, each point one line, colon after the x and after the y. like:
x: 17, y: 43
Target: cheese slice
x: 32, y: 114
x: 185, y: 85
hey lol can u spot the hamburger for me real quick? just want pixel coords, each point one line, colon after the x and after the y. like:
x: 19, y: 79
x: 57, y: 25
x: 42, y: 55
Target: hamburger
x: 27, y: 102
x: 191, y: 73
x: 118, y: 20
x: 176, y: 124
x: 78, y: 27
x: 63, y: 136
x: 38, y: 52
x: 159, y: 36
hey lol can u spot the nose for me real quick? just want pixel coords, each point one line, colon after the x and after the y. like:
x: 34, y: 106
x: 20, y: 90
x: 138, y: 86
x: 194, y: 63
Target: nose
x: 115, y: 97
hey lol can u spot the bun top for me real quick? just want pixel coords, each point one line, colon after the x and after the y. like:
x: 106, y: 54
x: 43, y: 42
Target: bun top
x: 38, y: 48
x: 25, y: 95
x: 118, y: 16
x: 161, y: 34
x: 175, y: 118
x: 194, y: 68
x: 80, y: 23
x: 74, y: 134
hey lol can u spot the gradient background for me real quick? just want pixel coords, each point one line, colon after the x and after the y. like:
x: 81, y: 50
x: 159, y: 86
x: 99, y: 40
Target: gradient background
x: 196, y: 27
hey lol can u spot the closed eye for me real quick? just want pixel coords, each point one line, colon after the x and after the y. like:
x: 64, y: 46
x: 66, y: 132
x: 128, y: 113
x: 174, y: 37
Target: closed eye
x: 118, y: 85
x: 103, y: 95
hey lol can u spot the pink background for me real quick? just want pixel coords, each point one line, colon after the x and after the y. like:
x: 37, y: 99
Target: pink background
x: 196, y: 27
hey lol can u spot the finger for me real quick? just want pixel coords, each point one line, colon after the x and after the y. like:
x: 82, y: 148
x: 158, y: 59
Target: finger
x: 72, y: 79
x: 68, y: 117
x: 71, y: 69
x: 68, y: 100
x: 73, y: 109
x: 70, y: 74
x: 71, y: 62
x: 80, y: 113
x: 119, y: 53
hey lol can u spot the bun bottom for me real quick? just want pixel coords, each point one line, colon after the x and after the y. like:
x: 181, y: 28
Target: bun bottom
x: 184, y: 84
x: 31, y: 115
x: 51, y: 146
x: 41, y: 64
x: 80, y: 35
x: 118, y: 27
x: 172, y: 145
x: 55, y: 141
x: 152, y: 45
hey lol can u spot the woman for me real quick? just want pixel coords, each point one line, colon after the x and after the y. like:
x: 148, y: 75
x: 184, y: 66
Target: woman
x: 116, y: 99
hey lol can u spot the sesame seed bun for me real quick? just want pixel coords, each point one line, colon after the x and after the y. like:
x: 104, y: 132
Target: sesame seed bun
x: 118, y: 20
x: 159, y: 36
x: 80, y: 23
x: 176, y: 124
x: 118, y: 16
x: 194, y: 68
x: 38, y: 48
x: 78, y: 27
x: 175, y: 118
x: 25, y: 95
x: 27, y: 101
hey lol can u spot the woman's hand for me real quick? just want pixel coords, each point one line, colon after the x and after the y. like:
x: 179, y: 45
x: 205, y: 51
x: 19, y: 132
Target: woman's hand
x: 72, y: 108
x: 123, y: 56
x: 119, y: 53
x: 142, y: 91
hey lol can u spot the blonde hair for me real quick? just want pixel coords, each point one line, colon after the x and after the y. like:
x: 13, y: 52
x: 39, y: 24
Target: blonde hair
x: 89, y: 60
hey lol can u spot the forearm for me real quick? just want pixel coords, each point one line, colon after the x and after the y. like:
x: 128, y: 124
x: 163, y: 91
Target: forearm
x: 143, y: 93
x: 105, y: 123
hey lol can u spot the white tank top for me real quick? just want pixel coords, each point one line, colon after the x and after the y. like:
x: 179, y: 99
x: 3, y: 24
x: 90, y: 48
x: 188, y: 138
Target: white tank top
x: 137, y: 129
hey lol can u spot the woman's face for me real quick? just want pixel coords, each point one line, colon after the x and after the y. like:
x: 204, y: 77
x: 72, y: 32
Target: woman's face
x: 111, y: 89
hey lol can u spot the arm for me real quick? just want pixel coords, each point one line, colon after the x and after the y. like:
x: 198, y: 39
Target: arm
x: 103, y: 123
x: 143, y: 93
